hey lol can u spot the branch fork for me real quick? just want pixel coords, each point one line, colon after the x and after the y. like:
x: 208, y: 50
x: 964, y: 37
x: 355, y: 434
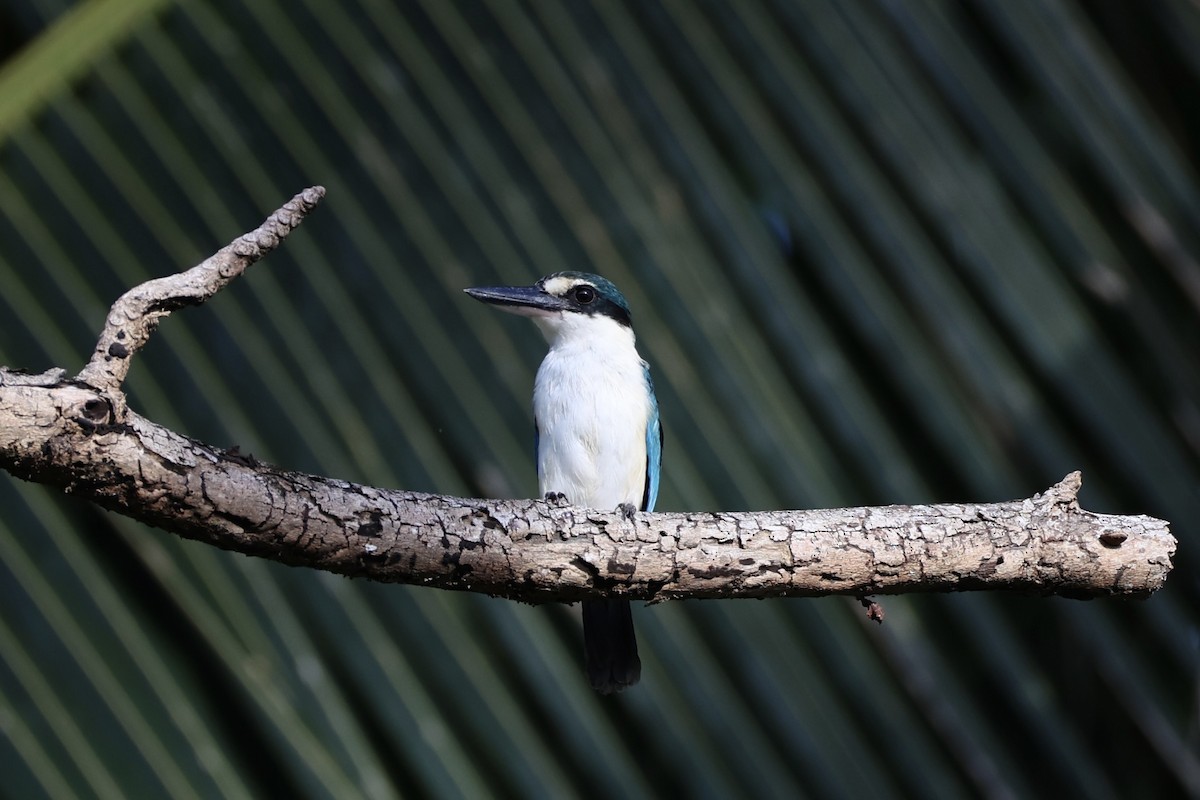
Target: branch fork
x: 137, y: 313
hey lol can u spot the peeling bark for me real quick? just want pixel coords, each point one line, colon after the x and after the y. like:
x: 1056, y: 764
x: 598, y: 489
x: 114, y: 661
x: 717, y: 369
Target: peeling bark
x: 77, y: 434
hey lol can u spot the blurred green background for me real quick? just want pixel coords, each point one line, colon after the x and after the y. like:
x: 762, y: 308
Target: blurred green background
x: 877, y: 252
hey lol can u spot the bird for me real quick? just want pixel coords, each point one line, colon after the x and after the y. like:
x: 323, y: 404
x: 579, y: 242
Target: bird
x: 598, y: 438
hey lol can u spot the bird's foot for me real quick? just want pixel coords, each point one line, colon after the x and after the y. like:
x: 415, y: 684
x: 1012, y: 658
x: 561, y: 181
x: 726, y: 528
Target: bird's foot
x: 628, y: 510
x: 557, y: 499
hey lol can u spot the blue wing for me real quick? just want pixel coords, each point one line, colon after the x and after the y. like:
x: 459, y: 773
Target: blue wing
x: 654, y: 443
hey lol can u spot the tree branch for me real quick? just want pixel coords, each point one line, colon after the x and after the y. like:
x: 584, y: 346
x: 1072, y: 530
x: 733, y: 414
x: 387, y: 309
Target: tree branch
x: 136, y: 314
x: 78, y: 435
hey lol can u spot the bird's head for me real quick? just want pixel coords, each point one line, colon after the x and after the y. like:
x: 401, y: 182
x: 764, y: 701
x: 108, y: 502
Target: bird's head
x: 562, y: 304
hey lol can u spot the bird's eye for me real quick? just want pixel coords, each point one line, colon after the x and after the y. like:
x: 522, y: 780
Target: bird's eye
x: 584, y: 294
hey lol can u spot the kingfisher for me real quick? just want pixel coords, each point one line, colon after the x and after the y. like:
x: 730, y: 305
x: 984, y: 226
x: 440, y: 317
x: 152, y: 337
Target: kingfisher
x: 598, y: 439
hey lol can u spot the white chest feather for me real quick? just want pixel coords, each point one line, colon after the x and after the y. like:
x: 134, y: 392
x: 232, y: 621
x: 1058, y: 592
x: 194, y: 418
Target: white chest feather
x: 591, y: 405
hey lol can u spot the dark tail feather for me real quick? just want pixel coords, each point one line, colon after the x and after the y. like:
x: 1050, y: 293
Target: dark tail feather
x: 610, y: 645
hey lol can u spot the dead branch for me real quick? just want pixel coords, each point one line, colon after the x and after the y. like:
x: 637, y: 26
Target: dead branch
x: 78, y: 435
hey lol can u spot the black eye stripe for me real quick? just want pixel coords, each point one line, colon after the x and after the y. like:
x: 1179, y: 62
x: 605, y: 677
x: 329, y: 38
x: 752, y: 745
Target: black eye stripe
x: 601, y: 298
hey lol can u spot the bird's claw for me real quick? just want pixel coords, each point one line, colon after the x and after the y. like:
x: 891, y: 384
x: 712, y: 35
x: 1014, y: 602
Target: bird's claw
x: 557, y: 499
x: 628, y: 510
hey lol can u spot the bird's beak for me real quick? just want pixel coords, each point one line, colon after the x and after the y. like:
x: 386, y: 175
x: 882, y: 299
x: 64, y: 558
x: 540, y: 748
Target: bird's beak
x: 528, y: 301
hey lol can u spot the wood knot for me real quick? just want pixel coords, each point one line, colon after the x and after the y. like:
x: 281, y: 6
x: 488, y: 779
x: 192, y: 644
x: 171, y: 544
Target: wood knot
x: 97, y: 410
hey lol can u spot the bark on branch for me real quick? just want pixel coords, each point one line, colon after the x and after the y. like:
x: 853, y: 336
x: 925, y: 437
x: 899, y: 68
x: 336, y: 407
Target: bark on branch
x: 77, y: 434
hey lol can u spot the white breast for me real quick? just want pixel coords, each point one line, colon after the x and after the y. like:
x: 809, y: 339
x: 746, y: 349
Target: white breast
x: 592, y: 408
